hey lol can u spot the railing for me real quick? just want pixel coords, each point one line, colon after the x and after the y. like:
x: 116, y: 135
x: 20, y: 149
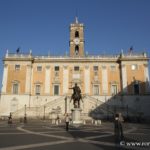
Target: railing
x: 29, y: 55
x: 22, y: 110
x: 12, y: 55
x: 78, y: 57
x: 54, y: 101
x: 135, y: 55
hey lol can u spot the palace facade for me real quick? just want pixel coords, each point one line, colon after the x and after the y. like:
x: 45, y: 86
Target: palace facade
x: 38, y: 86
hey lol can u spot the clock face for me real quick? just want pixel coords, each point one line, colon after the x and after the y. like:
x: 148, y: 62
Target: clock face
x: 76, y: 41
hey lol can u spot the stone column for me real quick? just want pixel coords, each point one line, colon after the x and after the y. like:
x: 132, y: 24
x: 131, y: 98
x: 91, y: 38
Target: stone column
x: 47, y: 79
x: 87, y: 80
x: 4, y: 81
x: 124, y: 78
x: 146, y: 74
x: 65, y: 80
x: 104, y: 80
x: 28, y: 79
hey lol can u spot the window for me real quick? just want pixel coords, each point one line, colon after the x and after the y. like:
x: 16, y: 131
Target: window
x: 77, y: 34
x: 136, y: 89
x: 56, y: 73
x: 17, y: 67
x: 39, y: 68
x: 37, y: 90
x: 76, y: 68
x: 56, y: 89
x: 113, y: 89
x: 103, y: 67
x: 15, y: 88
x: 134, y: 67
x: 113, y: 68
x: 95, y: 89
x: 56, y: 68
x: 95, y: 68
x: 76, y: 49
x: 95, y: 73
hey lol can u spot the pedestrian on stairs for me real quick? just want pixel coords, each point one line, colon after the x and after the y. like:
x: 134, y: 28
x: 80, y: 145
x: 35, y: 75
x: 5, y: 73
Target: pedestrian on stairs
x: 67, y: 122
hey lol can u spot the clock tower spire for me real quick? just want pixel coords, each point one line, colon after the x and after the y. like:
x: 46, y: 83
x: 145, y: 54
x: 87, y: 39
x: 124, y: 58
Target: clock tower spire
x: 76, y: 39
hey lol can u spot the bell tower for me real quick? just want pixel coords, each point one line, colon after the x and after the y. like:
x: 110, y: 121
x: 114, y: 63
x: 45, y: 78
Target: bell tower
x: 76, y: 39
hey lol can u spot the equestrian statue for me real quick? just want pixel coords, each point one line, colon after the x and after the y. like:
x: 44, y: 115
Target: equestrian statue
x: 76, y: 96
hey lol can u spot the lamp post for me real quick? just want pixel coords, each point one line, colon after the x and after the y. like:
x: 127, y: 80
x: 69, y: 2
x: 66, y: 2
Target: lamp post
x: 65, y: 104
x: 113, y: 98
x: 25, y: 110
x: 25, y: 115
x: 29, y: 100
x: 44, y: 112
x: 37, y: 106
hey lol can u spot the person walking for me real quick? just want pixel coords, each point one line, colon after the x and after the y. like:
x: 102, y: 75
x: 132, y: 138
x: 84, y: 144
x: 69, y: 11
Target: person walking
x: 67, y: 122
x: 118, y: 130
x: 121, y: 120
x: 10, y: 119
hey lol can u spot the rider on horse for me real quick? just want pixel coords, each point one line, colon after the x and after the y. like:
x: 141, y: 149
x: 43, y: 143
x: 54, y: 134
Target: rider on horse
x: 76, y: 96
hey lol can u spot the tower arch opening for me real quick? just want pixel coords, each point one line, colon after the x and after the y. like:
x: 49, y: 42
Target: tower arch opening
x: 77, y: 49
x: 76, y: 34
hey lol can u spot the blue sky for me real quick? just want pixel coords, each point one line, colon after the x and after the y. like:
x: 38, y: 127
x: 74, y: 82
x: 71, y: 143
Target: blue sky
x: 43, y: 25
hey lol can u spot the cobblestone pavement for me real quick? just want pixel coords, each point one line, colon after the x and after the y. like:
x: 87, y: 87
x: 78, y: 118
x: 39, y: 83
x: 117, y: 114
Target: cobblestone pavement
x: 41, y: 135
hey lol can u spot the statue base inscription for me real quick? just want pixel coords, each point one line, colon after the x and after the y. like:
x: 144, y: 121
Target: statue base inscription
x: 76, y: 116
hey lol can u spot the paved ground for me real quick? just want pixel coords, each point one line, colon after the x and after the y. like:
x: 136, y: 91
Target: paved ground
x: 40, y: 135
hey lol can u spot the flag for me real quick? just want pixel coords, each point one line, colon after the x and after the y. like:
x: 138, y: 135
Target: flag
x: 18, y: 50
x: 131, y: 49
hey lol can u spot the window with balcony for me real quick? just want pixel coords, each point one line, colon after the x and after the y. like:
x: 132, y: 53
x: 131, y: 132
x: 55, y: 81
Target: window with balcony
x: 95, y: 68
x: 37, y: 89
x: 114, y: 89
x: 95, y: 89
x: 95, y: 73
x: 56, y: 89
x: 39, y: 68
x: 15, y: 88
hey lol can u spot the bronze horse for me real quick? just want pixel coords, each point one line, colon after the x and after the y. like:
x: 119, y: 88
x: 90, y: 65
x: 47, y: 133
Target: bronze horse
x: 76, y: 96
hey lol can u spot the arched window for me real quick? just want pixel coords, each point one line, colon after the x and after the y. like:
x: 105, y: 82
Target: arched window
x: 77, y: 34
x: 76, y: 49
x: 15, y: 87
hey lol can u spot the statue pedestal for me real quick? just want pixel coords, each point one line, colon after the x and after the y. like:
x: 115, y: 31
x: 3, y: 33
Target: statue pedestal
x: 76, y: 116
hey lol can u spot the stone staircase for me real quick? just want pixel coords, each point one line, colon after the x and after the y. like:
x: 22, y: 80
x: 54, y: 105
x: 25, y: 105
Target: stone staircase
x: 30, y: 111
x: 105, y: 109
x: 101, y: 109
x: 39, y: 111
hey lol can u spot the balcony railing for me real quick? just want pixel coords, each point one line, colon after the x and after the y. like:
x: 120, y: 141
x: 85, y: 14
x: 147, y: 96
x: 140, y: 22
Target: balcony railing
x: 22, y: 55
x: 103, y: 57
